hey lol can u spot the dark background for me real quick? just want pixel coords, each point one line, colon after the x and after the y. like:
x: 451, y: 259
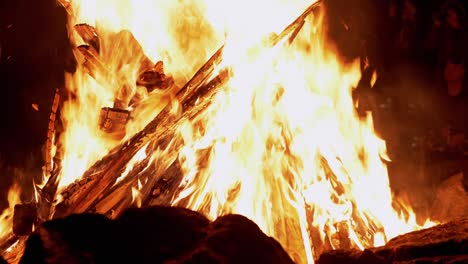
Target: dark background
x: 35, y: 52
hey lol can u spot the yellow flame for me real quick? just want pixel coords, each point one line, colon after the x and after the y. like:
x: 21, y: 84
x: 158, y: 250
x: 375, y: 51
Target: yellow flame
x: 373, y: 79
x: 6, y: 217
x: 285, y: 145
x: 136, y: 197
x: 175, y: 32
x: 139, y: 156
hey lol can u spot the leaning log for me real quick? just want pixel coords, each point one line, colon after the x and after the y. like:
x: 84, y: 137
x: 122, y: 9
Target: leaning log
x: 162, y: 128
x: 90, y: 177
x: 158, y: 132
x: 80, y: 196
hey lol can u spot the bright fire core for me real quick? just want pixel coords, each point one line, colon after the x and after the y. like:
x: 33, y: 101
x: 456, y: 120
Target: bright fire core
x: 285, y: 145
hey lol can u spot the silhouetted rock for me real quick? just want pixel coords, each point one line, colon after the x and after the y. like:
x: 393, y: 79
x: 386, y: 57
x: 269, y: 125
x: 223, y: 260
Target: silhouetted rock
x: 159, y: 234
x: 84, y: 238
x: 447, y: 243
x: 451, y: 202
x: 152, y: 235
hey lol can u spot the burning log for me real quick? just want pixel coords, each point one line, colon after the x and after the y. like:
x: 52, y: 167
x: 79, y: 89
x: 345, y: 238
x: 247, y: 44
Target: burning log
x: 122, y: 155
x: 51, y: 133
x: 106, y: 173
x: 25, y: 216
x: 447, y: 243
x: 82, y: 195
x: 159, y: 131
x: 113, y: 121
x: 89, y: 36
x: 8, y: 242
x: 97, y: 69
x: 47, y: 194
x: 97, y: 178
x: 154, y: 78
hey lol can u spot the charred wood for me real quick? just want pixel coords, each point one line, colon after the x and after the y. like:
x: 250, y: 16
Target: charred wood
x: 51, y: 133
x: 447, y: 243
x: 7, y: 242
x: 155, y: 78
x: 155, y: 129
x: 158, y: 138
x: 80, y: 196
x: 25, y: 216
x: 163, y: 191
x: 89, y: 36
x: 194, y: 98
x: 113, y: 121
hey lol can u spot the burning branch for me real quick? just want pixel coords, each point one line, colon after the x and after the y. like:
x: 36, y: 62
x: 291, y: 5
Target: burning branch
x: 194, y: 98
x: 99, y: 186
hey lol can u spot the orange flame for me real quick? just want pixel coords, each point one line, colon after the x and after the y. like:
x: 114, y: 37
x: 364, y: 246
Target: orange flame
x: 286, y: 148
x: 174, y: 32
x: 6, y: 217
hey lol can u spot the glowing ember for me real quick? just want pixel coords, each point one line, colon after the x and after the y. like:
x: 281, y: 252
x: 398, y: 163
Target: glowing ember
x: 285, y: 145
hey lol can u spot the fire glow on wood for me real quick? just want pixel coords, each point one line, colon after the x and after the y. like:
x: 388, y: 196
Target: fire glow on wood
x: 266, y: 128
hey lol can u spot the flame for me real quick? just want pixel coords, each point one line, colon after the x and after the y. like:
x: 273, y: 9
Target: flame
x: 174, y: 32
x: 287, y: 148
x: 285, y: 145
x: 6, y: 217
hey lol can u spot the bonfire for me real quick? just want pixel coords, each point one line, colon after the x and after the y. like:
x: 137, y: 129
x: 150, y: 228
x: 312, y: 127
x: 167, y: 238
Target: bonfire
x: 221, y: 107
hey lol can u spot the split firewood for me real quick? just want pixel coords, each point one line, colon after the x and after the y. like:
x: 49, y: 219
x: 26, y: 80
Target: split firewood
x: 24, y: 218
x: 51, y: 134
x: 162, y: 127
x: 14, y: 252
x: 91, y: 178
x: 112, y: 120
x: 47, y: 195
x: 122, y: 51
x: 115, y: 163
x: 294, y: 28
x: 67, y: 6
x: 89, y: 36
x: 80, y: 187
x: 79, y: 197
x: 165, y: 188
x: 155, y: 78
x: 119, y: 52
x: 7, y: 241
